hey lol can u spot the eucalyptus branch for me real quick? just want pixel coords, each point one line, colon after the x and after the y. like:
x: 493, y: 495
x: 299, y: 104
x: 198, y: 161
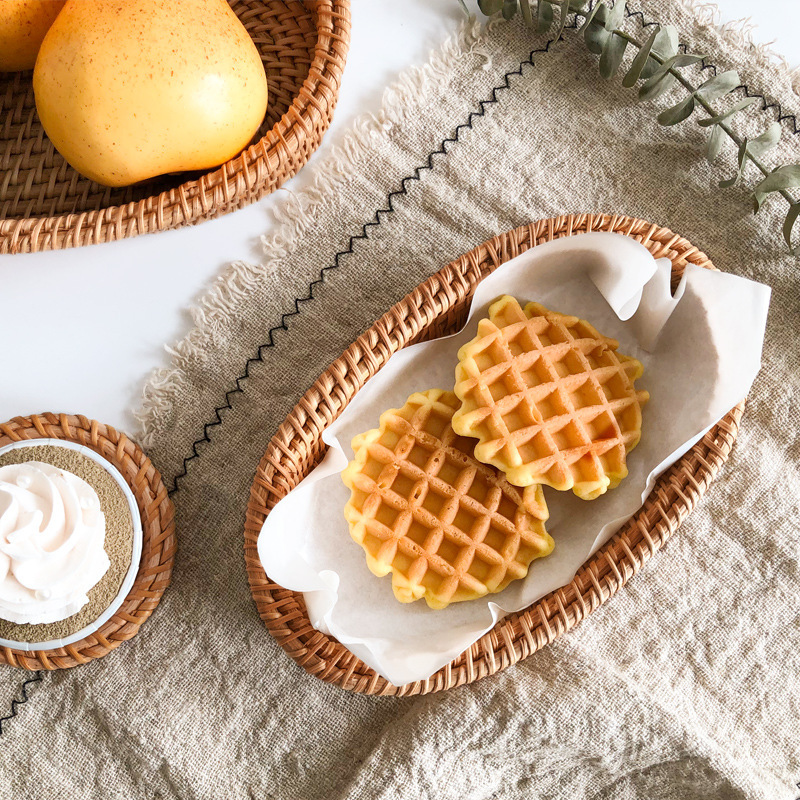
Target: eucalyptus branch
x: 700, y: 101
x: 658, y: 63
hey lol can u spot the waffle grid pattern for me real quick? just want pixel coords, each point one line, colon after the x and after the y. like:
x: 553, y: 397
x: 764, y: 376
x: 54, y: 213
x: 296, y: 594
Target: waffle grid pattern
x: 549, y: 398
x: 435, y: 308
x: 448, y: 527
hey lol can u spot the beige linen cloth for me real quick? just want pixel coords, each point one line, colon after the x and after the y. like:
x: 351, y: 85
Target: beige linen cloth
x: 685, y: 685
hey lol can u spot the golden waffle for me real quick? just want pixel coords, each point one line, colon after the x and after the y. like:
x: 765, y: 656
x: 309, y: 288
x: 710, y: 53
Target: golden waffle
x: 549, y: 399
x: 447, y: 527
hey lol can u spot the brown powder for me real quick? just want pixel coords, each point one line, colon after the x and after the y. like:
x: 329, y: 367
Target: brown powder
x: 118, y: 541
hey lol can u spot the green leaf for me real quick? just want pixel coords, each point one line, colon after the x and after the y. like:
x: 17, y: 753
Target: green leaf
x: 742, y: 160
x: 509, y: 9
x: 705, y: 123
x: 577, y: 5
x: 718, y: 86
x: 677, y: 113
x: 665, y: 46
x: 654, y: 87
x: 750, y: 148
x: 596, y: 37
x: 611, y: 58
x: 680, y: 60
x: 464, y: 6
x: 591, y: 15
x: 637, y: 65
x: 594, y: 33
x: 490, y: 7
x: 715, y: 139
x: 686, y: 59
x: 544, y: 16
x: 562, y: 23
x: 766, y: 140
x: 525, y: 9
x: 788, y: 225
x: 615, y: 16
x: 667, y: 42
x: 787, y: 177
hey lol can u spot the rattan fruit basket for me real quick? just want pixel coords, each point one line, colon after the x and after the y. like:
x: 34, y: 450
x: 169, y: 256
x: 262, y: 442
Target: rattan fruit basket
x: 158, y: 535
x: 435, y: 308
x: 47, y: 205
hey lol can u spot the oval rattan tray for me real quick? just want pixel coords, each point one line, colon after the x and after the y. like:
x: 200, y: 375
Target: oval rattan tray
x: 438, y: 307
x: 158, y: 535
x: 46, y: 205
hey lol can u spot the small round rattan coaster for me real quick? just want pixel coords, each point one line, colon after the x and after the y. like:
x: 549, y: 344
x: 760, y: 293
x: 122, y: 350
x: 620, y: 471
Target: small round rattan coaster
x: 46, y: 205
x: 158, y: 535
x: 435, y: 308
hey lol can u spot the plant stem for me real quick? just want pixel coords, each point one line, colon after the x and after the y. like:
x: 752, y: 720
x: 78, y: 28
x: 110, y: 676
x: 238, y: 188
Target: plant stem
x: 707, y: 106
x: 765, y: 171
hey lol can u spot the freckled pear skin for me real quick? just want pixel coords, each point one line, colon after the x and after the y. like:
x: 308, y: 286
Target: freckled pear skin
x: 131, y: 89
x: 23, y: 25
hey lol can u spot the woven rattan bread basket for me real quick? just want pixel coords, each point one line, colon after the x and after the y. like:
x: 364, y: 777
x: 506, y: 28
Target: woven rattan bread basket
x: 438, y: 307
x: 46, y: 205
x: 158, y: 535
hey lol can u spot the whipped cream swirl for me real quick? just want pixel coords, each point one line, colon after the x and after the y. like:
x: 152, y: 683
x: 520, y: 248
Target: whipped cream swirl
x: 52, y: 532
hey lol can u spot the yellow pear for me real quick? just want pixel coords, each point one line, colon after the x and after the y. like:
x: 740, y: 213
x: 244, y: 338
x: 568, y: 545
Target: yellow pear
x: 23, y: 24
x: 130, y: 89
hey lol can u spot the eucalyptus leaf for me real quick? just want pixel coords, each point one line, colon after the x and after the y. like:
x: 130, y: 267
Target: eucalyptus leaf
x: 654, y: 90
x: 562, y: 23
x: 596, y: 37
x: 594, y: 31
x: 490, y: 7
x: 509, y: 9
x: 715, y: 139
x: 686, y: 59
x: 595, y: 10
x: 718, y: 86
x: 680, y: 60
x: 639, y: 61
x: 615, y: 16
x: 742, y: 160
x: 766, y: 140
x: 677, y: 113
x: 525, y: 9
x: 665, y: 46
x: 544, y: 16
x: 667, y: 43
x: 612, y: 55
x: 787, y: 177
x: 788, y: 225
x: 748, y: 101
x: 577, y: 5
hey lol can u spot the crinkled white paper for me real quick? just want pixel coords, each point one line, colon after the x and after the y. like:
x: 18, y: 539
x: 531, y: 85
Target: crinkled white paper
x: 701, y: 349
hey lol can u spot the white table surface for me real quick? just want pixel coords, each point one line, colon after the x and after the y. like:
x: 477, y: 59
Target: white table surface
x: 83, y: 328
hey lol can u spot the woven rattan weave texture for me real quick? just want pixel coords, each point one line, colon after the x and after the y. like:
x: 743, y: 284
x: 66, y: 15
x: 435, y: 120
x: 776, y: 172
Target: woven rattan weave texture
x: 158, y: 535
x: 46, y: 205
x: 437, y: 307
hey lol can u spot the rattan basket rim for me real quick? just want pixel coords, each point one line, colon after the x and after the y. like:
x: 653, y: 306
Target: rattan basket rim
x: 297, y: 446
x: 158, y: 535
x: 259, y: 169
